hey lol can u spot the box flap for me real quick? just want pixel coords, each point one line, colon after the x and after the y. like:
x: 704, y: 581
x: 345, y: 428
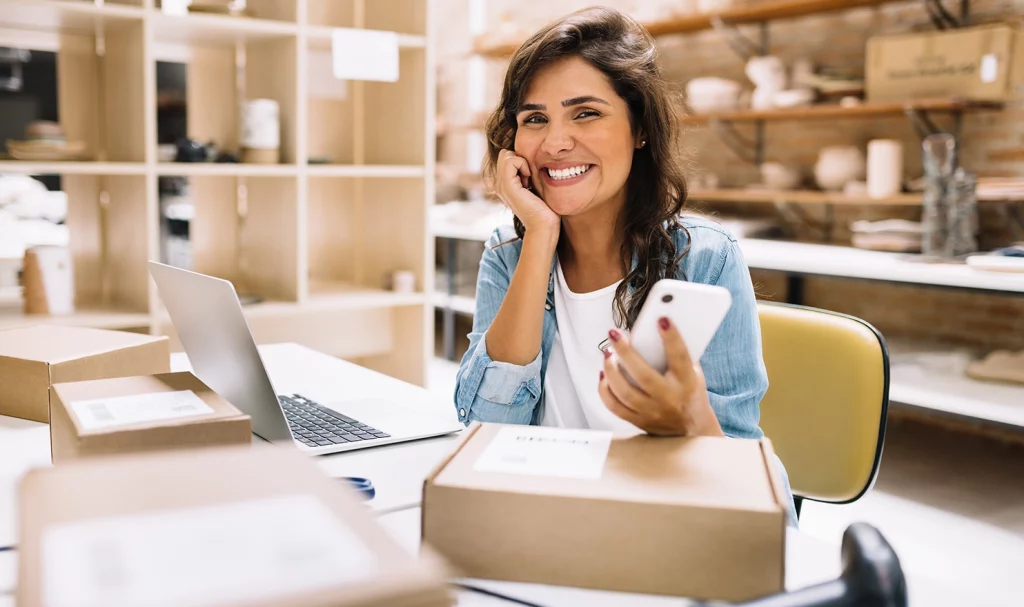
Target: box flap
x: 54, y: 344
x: 779, y: 487
x: 720, y: 473
x: 72, y: 395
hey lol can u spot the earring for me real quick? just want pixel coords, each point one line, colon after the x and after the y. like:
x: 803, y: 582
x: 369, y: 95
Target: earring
x: 643, y: 142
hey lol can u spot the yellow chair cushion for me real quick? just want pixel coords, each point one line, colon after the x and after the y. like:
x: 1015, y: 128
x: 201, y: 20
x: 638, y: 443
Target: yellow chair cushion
x: 824, y: 408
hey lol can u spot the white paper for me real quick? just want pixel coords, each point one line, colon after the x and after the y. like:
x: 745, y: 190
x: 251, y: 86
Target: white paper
x: 989, y: 68
x: 138, y: 408
x: 544, y: 451
x: 365, y: 54
x: 248, y: 551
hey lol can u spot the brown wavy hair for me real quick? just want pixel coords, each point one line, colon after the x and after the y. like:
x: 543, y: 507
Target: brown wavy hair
x: 624, y: 51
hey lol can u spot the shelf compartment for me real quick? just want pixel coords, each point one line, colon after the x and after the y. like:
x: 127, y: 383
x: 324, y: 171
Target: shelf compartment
x: 319, y: 38
x: 219, y: 30
x: 246, y: 230
x: 366, y: 170
x: 757, y: 195
x: 342, y: 212
x: 402, y: 16
x: 370, y: 122
x: 23, y: 167
x: 67, y: 16
x: 835, y: 111
x: 226, y: 169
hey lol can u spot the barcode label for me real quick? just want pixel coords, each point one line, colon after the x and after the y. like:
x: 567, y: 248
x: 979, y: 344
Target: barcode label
x: 138, y: 408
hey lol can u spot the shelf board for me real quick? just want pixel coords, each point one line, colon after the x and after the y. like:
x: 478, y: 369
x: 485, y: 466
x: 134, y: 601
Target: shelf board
x: 763, y: 195
x: 66, y: 15
x: 319, y: 37
x: 863, y: 110
x: 937, y: 389
x: 92, y: 318
x: 458, y: 232
x: 227, y: 169
x: 461, y: 304
x: 25, y: 167
x: 494, y: 51
x: 848, y: 262
x: 218, y: 30
x: 766, y: 10
x: 366, y: 170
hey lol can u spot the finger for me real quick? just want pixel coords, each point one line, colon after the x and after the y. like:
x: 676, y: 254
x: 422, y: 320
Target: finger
x: 631, y: 396
x: 676, y: 352
x: 635, y: 365
x: 616, y: 406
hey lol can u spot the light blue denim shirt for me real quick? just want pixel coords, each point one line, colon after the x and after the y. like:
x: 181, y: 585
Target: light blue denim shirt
x: 491, y: 391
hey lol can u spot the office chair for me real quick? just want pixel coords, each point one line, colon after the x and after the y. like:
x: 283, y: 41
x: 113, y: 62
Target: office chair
x: 825, y: 409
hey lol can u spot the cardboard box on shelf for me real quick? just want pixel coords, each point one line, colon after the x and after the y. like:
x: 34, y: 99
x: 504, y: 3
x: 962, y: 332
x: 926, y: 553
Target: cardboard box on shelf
x: 246, y: 527
x: 34, y: 358
x: 982, y: 63
x: 139, y: 414
x: 699, y: 517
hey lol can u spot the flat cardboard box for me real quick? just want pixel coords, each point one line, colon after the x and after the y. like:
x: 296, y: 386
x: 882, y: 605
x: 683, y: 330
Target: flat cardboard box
x: 701, y: 518
x: 258, y: 526
x: 983, y: 63
x: 140, y: 414
x: 34, y: 358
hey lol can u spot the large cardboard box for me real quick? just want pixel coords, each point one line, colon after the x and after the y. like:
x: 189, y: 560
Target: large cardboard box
x: 700, y: 518
x: 139, y: 414
x: 983, y: 63
x: 258, y: 526
x: 36, y: 357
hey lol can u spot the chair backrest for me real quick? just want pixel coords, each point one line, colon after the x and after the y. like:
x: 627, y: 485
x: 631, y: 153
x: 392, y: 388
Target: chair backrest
x: 828, y: 394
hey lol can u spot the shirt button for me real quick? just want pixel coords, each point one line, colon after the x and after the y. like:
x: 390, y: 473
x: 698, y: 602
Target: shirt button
x: 547, y: 307
x: 462, y: 413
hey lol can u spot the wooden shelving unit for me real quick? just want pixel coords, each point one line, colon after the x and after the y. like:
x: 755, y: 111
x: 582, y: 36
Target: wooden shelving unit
x: 312, y: 242
x: 758, y: 195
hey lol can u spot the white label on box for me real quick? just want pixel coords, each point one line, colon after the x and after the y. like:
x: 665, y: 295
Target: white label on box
x: 138, y: 408
x: 365, y: 54
x: 543, y: 451
x: 989, y: 68
x: 235, y: 553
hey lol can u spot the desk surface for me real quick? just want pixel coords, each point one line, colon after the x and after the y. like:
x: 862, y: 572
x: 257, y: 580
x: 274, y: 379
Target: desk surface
x: 397, y: 471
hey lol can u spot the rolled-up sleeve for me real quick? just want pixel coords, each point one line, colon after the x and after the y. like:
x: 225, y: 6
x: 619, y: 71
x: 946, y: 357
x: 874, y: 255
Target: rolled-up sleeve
x: 487, y: 390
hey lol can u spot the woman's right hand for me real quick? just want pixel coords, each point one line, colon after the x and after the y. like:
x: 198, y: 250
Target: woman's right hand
x: 512, y: 187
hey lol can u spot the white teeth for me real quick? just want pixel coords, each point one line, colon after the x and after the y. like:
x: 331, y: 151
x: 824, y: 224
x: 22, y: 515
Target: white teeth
x: 569, y: 172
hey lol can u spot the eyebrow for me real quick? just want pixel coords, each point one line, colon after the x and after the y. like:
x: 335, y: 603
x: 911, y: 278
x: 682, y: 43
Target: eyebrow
x: 566, y: 103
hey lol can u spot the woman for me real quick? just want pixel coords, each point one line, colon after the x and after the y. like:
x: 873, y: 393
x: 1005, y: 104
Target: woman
x: 584, y: 149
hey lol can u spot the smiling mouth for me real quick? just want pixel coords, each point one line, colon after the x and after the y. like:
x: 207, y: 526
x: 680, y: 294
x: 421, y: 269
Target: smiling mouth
x: 569, y: 173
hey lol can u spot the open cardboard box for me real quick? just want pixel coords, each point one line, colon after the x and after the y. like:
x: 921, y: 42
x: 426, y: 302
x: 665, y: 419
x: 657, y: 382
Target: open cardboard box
x: 695, y: 517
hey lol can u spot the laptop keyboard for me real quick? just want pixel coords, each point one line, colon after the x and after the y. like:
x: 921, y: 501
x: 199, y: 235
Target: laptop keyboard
x: 314, y: 425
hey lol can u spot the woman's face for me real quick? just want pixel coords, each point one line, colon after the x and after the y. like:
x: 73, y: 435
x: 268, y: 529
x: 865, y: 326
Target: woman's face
x: 575, y: 133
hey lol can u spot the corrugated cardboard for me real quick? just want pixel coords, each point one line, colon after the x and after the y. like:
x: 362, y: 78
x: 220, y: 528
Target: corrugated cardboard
x: 981, y: 63
x: 95, y: 528
x: 701, y: 518
x: 226, y: 425
x: 34, y: 358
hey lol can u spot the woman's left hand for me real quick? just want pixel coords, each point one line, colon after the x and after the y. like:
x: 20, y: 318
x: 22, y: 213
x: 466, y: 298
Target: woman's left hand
x: 675, y: 403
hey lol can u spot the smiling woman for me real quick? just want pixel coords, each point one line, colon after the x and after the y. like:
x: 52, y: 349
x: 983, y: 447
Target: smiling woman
x: 584, y: 147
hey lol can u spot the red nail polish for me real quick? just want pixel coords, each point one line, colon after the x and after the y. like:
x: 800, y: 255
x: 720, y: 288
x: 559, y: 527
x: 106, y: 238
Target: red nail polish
x: 607, y: 353
x: 663, y: 323
x: 615, y: 335
x: 601, y: 377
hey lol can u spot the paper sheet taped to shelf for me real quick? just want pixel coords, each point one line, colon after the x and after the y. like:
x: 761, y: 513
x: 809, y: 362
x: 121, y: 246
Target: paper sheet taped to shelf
x: 539, y: 451
x: 138, y: 408
x: 215, y: 555
x: 365, y: 54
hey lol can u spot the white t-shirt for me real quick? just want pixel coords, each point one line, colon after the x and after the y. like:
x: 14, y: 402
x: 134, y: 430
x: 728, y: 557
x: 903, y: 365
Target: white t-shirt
x: 571, y: 398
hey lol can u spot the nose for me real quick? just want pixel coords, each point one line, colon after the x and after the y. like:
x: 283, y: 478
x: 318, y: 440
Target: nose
x: 558, y: 139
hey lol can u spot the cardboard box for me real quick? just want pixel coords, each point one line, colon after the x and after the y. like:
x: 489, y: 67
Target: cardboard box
x: 982, y: 63
x: 34, y: 358
x: 139, y: 414
x: 700, y: 518
x: 259, y: 526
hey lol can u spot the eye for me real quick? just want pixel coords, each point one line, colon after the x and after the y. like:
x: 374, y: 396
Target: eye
x: 587, y: 114
x: 534, y: 119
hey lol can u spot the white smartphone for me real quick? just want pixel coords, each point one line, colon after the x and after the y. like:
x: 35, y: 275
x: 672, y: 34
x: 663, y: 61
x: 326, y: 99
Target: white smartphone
x: 695, y: 309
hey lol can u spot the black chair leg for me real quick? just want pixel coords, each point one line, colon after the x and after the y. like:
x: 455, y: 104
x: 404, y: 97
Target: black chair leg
x: 798, y: 502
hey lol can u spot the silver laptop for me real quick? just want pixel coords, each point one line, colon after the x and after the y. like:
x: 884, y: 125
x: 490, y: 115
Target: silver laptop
x: 208, y: 317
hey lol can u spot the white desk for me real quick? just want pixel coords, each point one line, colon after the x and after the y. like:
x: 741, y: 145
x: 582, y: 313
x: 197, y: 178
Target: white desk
x: 397, y: 472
